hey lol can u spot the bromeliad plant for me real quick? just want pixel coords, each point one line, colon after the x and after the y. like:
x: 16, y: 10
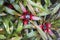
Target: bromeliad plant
x: 29, y: 20
x: 27, y: 16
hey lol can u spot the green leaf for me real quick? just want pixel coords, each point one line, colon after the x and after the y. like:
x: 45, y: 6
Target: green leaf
x: 17, y: 7
x: 41, y: 32
x: 55, y: 9
x: 2, y: 9
x: 16, y: 38
x: 11, y: 27
x: 12, y: 1
x: 25, y: 2
x: 2, y: 14
x: 17, y: 1
x: 48, y: 3
x: 32, y: 34
x: 44, y: 37
x: 2, y: 37
x: 1, y: 2
x: 6, y: 25
x: 41, y: 8
x: 36, y: 5
x: 27, y: 26
x: 19, y: 27
x: 31, y: 9
x: 10, y: 11
x: 42, y: 14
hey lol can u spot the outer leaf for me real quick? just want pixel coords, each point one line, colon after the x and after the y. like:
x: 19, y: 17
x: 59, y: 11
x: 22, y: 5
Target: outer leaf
x: 19, y: 27
x: 43, y: 14
x: 1, y: 2
x: 32, y: 34
x: 17, y: 1
x: 55, y: 9
x: 6, y: 24
x: 16, y: 38
x: 2, y: 37
x: 40, y: 31
x: 25, y: 2
x: 28, y: 26
x: 34, y: 4
x: 12, y: 12
x: 11, y: 28
x: 31, y: 9
x: 48, y: 3
x: 11, y: 1
x: 2, y: 14
x: 17, y: 7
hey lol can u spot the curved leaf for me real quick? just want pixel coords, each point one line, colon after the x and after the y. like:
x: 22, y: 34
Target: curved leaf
x: 12, y: 12
x: 1, y: 2
x: 6, y: 25
x: 55, y: 9
x: 17, y: 7
x: 2, y: 37
x: 19, y: 27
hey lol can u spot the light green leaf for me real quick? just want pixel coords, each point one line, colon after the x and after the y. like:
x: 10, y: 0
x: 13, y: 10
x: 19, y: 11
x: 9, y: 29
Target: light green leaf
x: 32, y: 34
x: 11, y: 1
x: 10, y: 11
x: 2, y: 14
x: 44, y: 37
x: 43, y: 14
x: 2, y: 37
x: 25, y: 2
x: 1, y: 2
x: 16, y: 38
x: 17, y: 1
x: 41, y: 32
x: 19, y: 27
x: 48, y: 3
x: 55, y: 9
x: 6, y: 25
x: 36, y: 5
x: 31, y: 9
x: 28, y: 26
x: 11, y: 27
x: 17, y: 7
